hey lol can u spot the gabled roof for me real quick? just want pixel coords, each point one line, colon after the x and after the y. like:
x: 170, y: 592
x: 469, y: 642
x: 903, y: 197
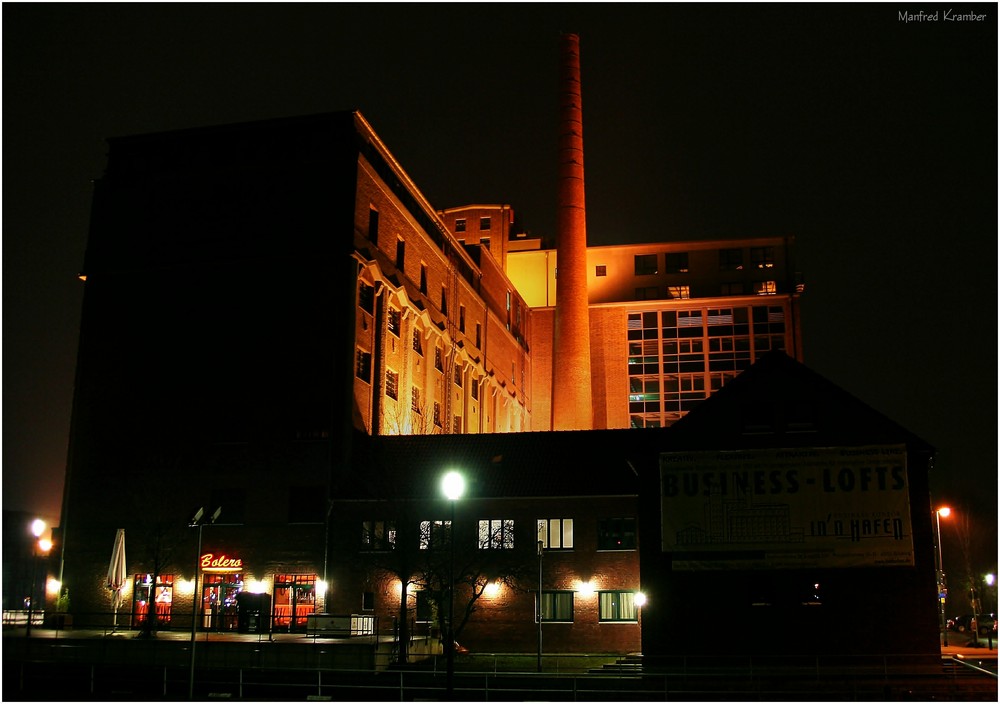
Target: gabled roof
x: 508, y: 465
x: 779, y: 402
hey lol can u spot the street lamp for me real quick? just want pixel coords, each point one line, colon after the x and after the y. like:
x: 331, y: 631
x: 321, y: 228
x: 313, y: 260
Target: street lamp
x: 37, y: 528
x: 198, y: 521
x: 941, y: 581
x: 452, y: 486
x: 540, y: 550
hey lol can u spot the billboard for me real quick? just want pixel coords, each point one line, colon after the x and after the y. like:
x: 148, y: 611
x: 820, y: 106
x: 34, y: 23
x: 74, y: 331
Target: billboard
x: 786, y: 508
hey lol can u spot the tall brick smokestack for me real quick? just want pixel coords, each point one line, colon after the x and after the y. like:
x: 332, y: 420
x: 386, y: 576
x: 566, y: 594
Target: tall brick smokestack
x: 572, y: 406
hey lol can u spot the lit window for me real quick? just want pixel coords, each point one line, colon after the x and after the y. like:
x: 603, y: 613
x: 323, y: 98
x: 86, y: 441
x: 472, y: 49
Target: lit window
x: 378, y: 535
x: 765, y: 288
x: 617, y: 606
x: 496, y: 534
x: 555, y: 533
x: 616, y: 534
x: 762, y: 257
x: 645, y: 264
x: 557, y: 606
x: 434, y: 535
x: 391, y: 384
x: 678, y: 292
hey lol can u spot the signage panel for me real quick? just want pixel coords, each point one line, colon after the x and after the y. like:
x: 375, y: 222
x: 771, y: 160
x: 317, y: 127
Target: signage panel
x: 786, y: 508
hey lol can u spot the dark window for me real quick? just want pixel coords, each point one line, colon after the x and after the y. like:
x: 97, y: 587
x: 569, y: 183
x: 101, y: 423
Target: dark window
x: 479, y: 335
x: 437, y: 414
x: 378, y: 535
x: 676, y: 262
x: 647, y: 293
x: 363, y: 366
x: 394, y: 320
x: 444, y: 300
x: 400, y: 254
x: 557, y: 606
x: 415, y: 400
x: 437, y: 359
x: 461, y: 318
x: 485, y: 223
x: 460, y: 225
x: 733, y: 288
x: 602, y: 270
x: 645, y: 264
x: 366, y: 297
x: 367, y: 601
x: 306, y: 504
x: 474, y: 389
x: 391, y: 384
x: 730, y: 259
x: 418, y: 345
x: 373, y: 225
x: 456, y: 426
x: 423, y: 279
x: 233, y: 503
x: 484, y: 242
x: 616, y: 534
x: 458, y: 374
x: 425, y: 605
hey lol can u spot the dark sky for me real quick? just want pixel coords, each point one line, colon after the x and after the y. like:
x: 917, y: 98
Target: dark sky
x: 870, y: 139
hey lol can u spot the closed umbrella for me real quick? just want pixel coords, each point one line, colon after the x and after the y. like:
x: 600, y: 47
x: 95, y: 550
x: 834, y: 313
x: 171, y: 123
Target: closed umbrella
x: 116, y: 573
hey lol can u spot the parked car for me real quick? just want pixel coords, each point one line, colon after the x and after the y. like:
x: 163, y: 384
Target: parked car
x: 985, y: 622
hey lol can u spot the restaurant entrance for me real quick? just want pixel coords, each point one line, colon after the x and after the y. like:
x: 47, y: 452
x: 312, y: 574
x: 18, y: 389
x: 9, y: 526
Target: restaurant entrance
x: 219, y: 607
x: 294, y: 600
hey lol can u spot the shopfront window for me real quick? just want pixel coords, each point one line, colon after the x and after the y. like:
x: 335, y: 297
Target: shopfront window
x: 219, y: 609
x: 146, y: 595
x: 294, y: 600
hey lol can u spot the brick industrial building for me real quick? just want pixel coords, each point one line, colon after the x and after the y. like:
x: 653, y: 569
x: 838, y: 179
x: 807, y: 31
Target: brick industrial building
x: 225, y: 270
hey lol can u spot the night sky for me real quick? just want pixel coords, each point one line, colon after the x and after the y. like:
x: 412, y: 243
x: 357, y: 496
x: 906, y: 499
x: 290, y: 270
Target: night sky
x: 870, y: 139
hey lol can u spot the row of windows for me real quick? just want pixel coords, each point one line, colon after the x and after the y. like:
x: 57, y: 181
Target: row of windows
x: 498, y: 534
x: 612, y: 606
x: 736, y: 288
x: 485, y: 223
x: 731, y: 259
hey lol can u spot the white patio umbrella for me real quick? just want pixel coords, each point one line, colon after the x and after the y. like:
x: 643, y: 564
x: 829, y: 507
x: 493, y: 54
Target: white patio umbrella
x: 116, y: 573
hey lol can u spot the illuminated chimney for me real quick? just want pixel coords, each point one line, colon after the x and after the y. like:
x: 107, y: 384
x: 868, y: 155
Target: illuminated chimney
x: 572, y: 407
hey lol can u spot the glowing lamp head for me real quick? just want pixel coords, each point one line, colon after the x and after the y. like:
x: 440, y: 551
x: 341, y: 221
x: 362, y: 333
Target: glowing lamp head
x: 990, y: 579
x: 453, y: 485
x: 944, y: 512
x: 491, y: 590
x: 44, y: 545
x: 37, y: 527
x: 640, y: 599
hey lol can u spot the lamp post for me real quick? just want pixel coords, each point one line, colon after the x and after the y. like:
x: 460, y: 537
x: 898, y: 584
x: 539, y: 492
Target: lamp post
x: 453, y: 486
x: 195, y: 522
x: 540, y: 546
x: 37, y: 528
x: 941, y: 581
